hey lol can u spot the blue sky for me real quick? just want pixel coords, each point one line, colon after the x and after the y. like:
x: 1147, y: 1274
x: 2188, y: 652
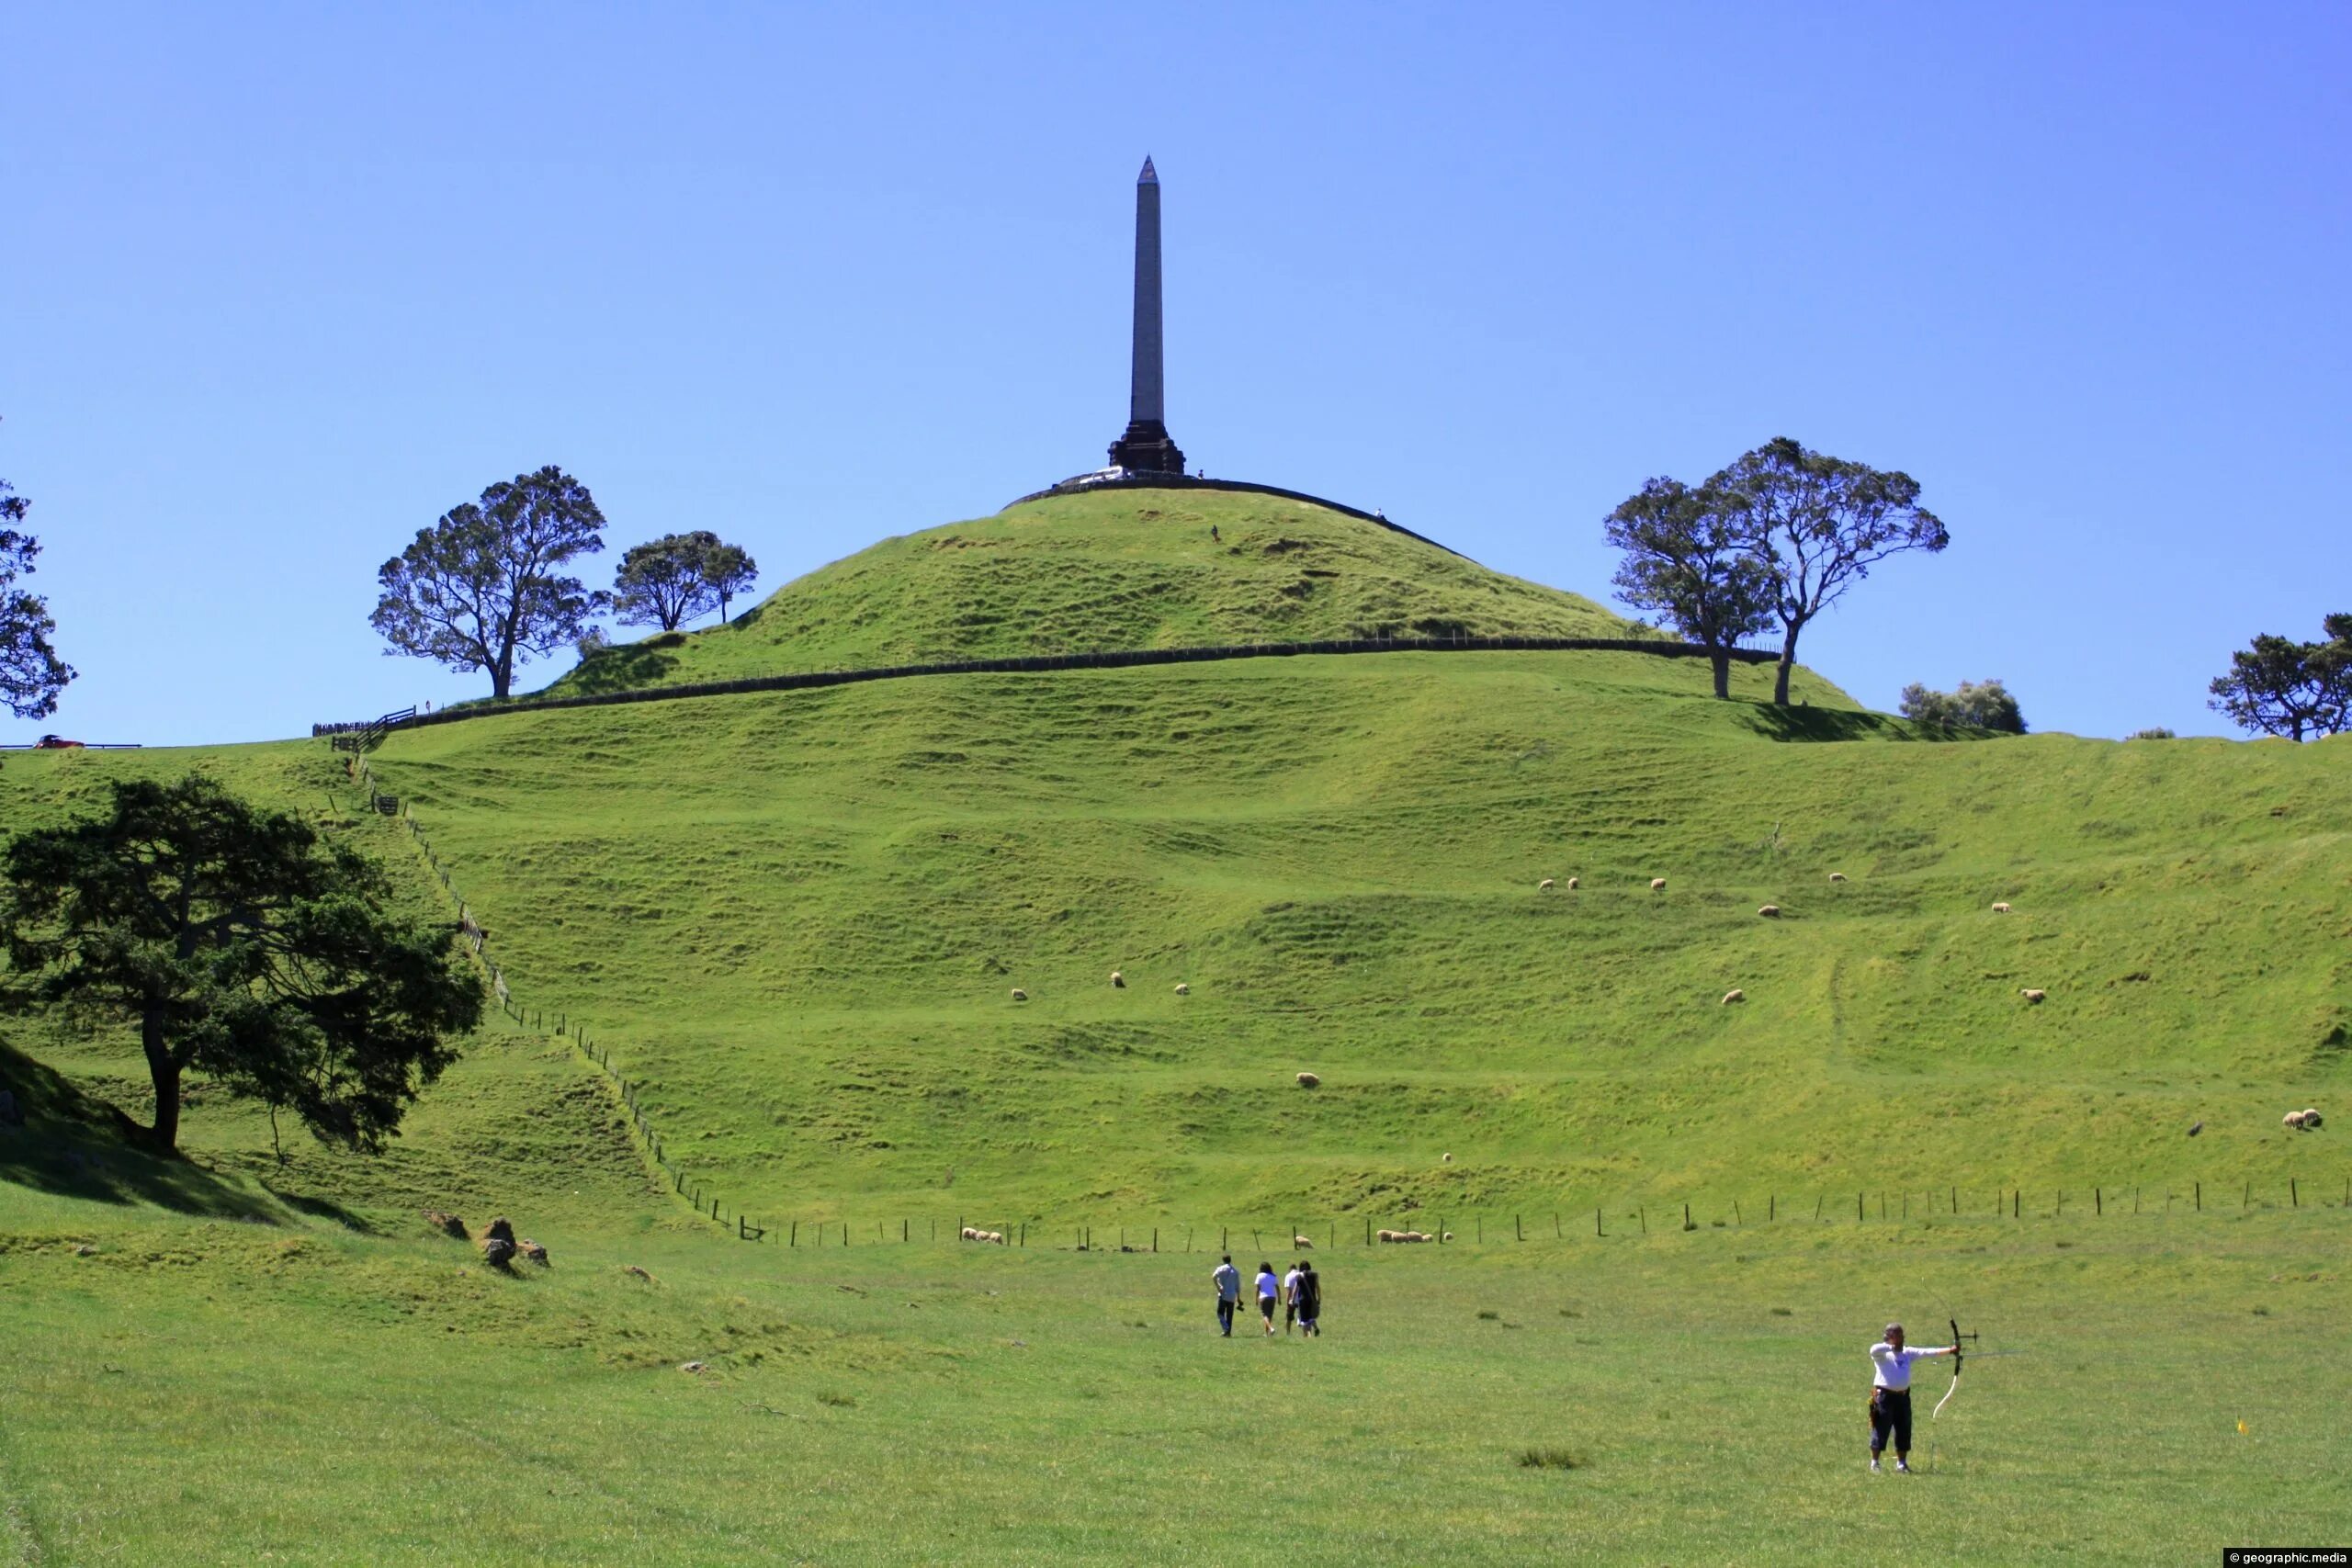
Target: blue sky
x: 282, y: 284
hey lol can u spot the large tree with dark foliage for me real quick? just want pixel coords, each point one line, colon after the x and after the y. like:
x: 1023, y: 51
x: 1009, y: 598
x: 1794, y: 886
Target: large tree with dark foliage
x: 2280, y: 686
x: 1685, y: 560
x: 482, y: 588
x: 30, y: 673
x: 241, y: 947
x: 1820, y: 523
x: 667, y: 582
x: 730, y: 569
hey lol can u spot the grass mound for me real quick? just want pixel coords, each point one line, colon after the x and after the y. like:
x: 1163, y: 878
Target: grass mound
x: 1128, y: 570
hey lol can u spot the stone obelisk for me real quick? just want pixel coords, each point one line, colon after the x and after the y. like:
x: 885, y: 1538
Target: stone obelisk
x: 1146, y: 448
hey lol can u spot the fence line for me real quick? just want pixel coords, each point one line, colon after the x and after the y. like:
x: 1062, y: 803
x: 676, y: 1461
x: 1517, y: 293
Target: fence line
x: 1117, y: 659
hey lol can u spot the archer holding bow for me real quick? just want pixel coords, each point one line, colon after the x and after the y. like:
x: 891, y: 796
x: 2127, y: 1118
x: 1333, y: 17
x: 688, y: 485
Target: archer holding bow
x: 1891, y: 1394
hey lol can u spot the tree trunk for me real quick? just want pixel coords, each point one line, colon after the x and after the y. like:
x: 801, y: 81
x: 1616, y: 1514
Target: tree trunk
x: 502, y: 676
x: 165, y: 1073
x: 1721, y: 659
x: 1788, y: 662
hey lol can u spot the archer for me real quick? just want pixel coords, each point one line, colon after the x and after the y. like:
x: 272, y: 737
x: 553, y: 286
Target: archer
x: 1891, y: 1394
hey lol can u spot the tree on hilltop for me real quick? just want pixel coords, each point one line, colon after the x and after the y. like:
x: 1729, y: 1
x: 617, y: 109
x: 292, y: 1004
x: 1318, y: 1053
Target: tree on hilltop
x: 1686, y: 560
x: 669, y: 580
x: 242, y: 948
x: 2279, y: 686
x: 482, y: 588
x: 31, y: 674
x: 1987, y: 705
x: 1820, y: 523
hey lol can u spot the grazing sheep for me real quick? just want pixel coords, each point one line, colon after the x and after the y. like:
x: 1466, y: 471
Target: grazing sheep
x: 2292, y: 1118
x: 1118, y: 981
x: 631, y: 1269
x: 1301, y: 1242
x: 2311, y: 1117
x: 1836, y: 876
x: 1308, y: 1080
x: 1019, y: 995
x: 2033, y: 993
x: 1182, y: 989
x: 1572, y: 884
x: 997, y: 1236
x: 1544, y: 885
x: 971, y: 1233
x: 1445, y: 1159
x: 1734, y: 995
x: 1770, y: 911
x: 2000, y: 908
x: 1658, y: 883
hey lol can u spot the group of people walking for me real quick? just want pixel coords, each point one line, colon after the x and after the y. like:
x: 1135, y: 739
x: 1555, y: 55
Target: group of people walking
x: 1299, y: 1294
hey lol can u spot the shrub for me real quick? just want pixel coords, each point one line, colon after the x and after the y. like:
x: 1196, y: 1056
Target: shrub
x: 2158, y: 732
x: 592, y: 642
x: 1549, y: 1458
x: 1975, y: 705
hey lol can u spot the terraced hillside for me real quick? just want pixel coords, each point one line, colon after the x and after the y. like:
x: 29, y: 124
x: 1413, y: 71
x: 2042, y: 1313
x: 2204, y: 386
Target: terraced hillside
x: 801, y: 918
x: 1123, y: 570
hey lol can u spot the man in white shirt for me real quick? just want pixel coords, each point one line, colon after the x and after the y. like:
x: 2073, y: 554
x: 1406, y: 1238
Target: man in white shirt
x: 1891, y: 1395
x: 1228, y: 1279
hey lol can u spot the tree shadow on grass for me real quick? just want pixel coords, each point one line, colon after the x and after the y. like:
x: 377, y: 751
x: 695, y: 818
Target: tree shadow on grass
x: 624, y: 668
x: 1798, y: 723
x: 58, y: 1140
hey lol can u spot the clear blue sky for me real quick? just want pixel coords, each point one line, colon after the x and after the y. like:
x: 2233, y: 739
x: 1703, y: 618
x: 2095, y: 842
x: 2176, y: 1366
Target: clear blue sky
x: 282, y: 284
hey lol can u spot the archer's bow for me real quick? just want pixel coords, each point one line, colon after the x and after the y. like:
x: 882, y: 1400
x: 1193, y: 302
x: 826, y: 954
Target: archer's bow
x: 1957, y: 1360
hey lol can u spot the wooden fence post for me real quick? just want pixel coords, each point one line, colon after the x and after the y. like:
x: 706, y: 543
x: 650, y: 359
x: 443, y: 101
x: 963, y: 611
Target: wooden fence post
x: 1518, y: 1228
x: 2201, y: 1197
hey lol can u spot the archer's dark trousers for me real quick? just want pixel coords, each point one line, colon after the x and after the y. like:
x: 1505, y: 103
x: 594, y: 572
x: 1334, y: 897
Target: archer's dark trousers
x: 1890, y: 1412
x: 1225, y: 1317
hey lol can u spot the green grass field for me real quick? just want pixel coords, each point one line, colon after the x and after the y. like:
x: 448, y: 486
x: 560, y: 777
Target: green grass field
x: 796, y: 921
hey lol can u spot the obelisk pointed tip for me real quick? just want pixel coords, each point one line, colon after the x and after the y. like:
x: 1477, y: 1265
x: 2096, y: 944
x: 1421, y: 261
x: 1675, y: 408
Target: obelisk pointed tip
x: 1148, y: 176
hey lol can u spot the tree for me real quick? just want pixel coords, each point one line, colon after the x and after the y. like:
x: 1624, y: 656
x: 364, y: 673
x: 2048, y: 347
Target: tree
x: 668, y: 581
x: 2280, y: 686
x: 480, y: 589
x: 1973, y: 707
x: 729, y: 570
x: 1821, y: 522
x: 243, y: 948
x: 30, y: 673
x: 1684, y: 560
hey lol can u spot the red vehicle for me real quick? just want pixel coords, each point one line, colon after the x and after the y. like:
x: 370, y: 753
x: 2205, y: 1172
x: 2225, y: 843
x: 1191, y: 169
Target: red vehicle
x: 56, y: 743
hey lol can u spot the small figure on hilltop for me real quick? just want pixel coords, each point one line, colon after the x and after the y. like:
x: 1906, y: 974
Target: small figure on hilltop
x: 1228, y: 1279
x: 1891, y: 1395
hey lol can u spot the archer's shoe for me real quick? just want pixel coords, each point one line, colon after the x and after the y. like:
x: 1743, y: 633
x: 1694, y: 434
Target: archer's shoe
x: 1902, y: 1467
x: 1873, y: 1467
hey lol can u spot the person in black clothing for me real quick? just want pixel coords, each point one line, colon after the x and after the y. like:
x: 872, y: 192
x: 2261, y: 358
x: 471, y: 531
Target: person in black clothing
x: 1306, y: 1300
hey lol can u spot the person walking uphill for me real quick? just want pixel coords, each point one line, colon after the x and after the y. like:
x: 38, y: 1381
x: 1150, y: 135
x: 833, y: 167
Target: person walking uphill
x: 1228, y: 1279
x: 1306, y: 1300
x: 1270, y: 1291
x: 1891, y: 1395
x: 1290, y: 1297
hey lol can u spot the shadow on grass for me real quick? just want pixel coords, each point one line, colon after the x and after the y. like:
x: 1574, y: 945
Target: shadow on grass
x: 61, y: 1141
x: 1797, y: 723
x: 623, y: 669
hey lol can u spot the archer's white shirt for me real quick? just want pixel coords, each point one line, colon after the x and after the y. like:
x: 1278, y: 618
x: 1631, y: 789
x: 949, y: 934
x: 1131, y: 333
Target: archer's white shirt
x: 1894, y: 1366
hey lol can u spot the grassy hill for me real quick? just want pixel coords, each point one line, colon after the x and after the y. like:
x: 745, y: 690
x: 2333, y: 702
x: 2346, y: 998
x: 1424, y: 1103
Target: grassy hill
x: 1116, y: 570
x: 796, y: 921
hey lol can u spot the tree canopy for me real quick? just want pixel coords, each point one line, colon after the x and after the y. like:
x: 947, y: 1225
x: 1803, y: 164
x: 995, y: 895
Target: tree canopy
x: 1686, y: 560
x: 1985, y: 705
x: 2279, y: 686
x: 669, y: 580
x: 1820, y: 523
x: 482, y: 588
x: 241, y: 947
x: 31, y: 674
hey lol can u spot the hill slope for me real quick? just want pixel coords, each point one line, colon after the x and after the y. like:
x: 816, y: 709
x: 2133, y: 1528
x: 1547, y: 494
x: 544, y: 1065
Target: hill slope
x: 801, y: 916
x: 1123, y: 570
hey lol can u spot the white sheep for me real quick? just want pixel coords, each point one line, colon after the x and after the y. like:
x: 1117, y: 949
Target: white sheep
x: 2292, y: 1118
x: 1733, y: 995
x: 1182, y: 989
x: 2032, y: 994
x: 1572, y: 884
x: 1308, y: 1080
x: 1019, y: 995
x: 1658, y: 883
x: 2000, y: 908
x: 1445, y: 1159
x: 1302, y: 1244
x: 1386, y: 1237
x: 971, y: 1233
x: 1118, y: 981
x: 1770, y: 911
x: 1544, y: 885
x: 1448, y: 1236
x: 1836, y: 876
